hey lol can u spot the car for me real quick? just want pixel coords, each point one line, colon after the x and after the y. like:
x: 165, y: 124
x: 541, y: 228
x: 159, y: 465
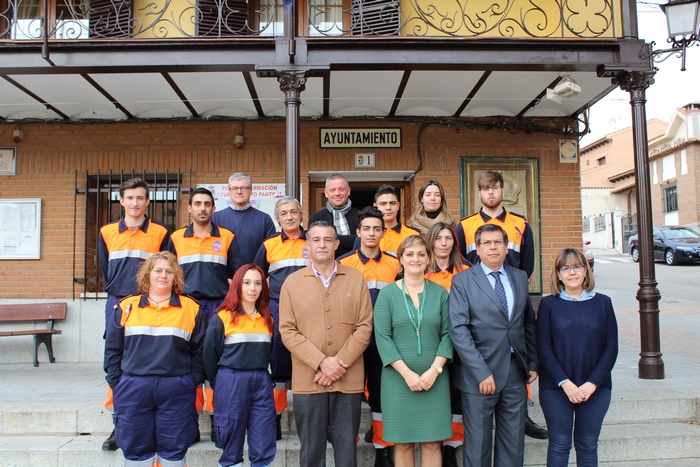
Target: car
x: 588, y: 253
x: 672, y: 243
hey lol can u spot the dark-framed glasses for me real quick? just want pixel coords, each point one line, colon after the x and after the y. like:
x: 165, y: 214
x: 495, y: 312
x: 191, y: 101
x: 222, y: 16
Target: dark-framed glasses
x: 569, y: 269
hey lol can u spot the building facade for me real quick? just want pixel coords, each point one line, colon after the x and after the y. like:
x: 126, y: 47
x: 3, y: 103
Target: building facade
x: 110, y: 90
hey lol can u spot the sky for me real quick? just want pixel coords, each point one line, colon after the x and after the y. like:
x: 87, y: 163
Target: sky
x: 672, y: 88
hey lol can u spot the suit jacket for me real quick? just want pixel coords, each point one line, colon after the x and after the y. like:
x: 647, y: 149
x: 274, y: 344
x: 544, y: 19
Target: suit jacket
x: 482, y: 334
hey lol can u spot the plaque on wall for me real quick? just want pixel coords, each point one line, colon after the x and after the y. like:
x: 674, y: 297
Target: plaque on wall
x: 8, y: 161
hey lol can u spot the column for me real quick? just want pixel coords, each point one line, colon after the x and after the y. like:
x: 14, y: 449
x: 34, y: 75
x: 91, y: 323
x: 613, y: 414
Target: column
x: 650, y: 365
x: 292, y: 83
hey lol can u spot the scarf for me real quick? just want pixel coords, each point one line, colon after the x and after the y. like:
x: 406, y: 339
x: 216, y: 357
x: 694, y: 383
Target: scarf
x: 424, y: 223
x: 339, y: 220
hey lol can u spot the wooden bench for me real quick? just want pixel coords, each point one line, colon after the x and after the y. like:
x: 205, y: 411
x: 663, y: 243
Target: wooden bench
x: 27, y: 312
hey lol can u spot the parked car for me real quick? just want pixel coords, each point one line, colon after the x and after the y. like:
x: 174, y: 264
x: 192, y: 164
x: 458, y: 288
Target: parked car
x: 672, y: 244
x: 588, y: 253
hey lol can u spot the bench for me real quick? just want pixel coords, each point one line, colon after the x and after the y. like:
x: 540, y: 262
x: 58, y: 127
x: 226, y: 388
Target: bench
x: 26, y: 312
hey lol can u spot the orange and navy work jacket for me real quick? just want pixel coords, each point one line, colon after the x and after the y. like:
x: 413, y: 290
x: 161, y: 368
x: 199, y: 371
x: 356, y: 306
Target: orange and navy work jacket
x: 245, y: 345
x: 521, y: 244
x: 208, y: 263
x: 121, y: 251
x: 379, y: 271
x: 279, y: 256
x: 147, y: 340
x: 392, y: 238
x: 443, y: 277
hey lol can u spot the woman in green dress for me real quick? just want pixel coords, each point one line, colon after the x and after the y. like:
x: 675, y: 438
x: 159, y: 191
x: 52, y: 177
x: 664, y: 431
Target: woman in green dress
x: 411, y: 329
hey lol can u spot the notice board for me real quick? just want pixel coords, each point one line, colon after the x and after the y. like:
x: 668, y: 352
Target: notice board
x: 20, y: 228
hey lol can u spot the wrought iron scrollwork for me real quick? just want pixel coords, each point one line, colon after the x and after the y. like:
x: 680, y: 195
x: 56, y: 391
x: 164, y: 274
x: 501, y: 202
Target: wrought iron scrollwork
x: 465, y: 18
x: 114, y: 19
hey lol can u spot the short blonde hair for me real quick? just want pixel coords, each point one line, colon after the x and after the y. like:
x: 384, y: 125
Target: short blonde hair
x: 410, y: 241
x: 570, y: 257
x: 143, y: 277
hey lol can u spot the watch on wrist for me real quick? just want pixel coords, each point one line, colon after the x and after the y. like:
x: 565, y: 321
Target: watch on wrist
x: 438, y: 369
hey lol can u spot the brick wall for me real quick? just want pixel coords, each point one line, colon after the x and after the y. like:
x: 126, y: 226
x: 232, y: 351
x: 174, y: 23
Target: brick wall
x: 52, y: 154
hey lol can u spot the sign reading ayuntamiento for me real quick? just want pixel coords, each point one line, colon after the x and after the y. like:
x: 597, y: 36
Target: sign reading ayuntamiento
x: 360, y: 137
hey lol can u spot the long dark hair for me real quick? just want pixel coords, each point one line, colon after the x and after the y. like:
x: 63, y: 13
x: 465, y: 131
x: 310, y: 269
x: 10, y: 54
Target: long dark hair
x: 233, y: 302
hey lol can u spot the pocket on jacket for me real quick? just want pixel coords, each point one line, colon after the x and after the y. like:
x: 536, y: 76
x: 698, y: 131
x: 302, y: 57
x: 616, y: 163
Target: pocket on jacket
x: 348, y: 310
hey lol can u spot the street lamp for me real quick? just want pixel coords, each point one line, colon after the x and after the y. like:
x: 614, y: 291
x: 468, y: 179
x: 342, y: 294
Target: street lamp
x: 683, y: 26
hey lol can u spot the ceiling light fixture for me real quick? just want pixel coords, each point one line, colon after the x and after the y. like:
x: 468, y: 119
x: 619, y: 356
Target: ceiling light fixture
x: 566, y: 88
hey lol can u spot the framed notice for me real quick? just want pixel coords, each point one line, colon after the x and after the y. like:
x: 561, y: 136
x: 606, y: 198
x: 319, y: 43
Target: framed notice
x: 20, y: 228
x: 8, y: 161
x: 521, y: 195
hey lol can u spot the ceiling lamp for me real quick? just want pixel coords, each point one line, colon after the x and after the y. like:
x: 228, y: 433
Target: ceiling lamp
x: 564, y: 89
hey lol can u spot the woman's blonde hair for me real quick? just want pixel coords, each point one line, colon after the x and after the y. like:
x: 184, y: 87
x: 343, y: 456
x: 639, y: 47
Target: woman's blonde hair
x: 410, y: 241
x: 143, y: 277
x: 570, y: 257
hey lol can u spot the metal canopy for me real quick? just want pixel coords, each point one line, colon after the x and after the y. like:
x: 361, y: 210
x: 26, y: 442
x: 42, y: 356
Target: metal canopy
x: 441, y: 77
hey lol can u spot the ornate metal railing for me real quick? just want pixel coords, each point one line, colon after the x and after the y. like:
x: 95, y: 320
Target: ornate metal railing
x: 115, y: 19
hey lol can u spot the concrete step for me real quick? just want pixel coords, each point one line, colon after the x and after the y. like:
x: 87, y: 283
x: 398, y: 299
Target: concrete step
x: 638, y: 445
x: 73, y: 418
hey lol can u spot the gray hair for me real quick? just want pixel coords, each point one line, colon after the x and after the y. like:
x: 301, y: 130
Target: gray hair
x: 337, y: 177
x: 240, y: 176
x: 322, y: 224
x: 285, y: 200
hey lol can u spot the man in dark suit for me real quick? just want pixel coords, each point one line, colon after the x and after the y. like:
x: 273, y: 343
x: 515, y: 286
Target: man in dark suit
x: 492, y: 327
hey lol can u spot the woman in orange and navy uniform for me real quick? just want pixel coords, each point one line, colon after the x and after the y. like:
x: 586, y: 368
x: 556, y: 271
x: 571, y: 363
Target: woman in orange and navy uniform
x: 153, y: 360
x: 445, y: 262
x: 237, y: 352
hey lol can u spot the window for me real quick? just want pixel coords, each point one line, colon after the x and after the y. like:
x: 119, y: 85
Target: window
x: 68, y: 19
x: 670, y: 199
x: 102, y: 207
x: 601, y: 161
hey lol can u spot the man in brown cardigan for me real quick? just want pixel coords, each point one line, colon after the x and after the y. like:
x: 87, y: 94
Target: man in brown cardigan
x: 326, y: 323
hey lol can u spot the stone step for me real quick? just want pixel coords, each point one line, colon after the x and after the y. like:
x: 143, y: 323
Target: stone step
x: 74, y: 418
x: 638, y: 445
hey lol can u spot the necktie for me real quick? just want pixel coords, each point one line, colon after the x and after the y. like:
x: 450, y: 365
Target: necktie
x: 500, y: 291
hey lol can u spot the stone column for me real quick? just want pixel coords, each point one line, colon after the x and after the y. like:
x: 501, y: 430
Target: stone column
x: 292, y: 83
x: 650, y: 365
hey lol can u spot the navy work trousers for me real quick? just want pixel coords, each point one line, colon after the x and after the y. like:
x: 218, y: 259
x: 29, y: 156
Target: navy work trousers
x: 243, y: 403
x: 155, y: 414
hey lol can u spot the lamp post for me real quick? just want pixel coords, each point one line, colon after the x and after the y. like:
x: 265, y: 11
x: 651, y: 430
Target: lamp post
x: 683, y: 20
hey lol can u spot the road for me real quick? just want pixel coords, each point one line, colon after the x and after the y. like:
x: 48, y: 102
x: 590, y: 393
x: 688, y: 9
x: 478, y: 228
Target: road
x: 618, y: 277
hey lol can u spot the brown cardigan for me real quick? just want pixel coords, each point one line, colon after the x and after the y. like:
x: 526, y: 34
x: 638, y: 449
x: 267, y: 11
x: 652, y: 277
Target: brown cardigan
x: 316, y: 323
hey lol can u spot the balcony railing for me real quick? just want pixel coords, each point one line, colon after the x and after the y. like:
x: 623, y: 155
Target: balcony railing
x: 148, y: 19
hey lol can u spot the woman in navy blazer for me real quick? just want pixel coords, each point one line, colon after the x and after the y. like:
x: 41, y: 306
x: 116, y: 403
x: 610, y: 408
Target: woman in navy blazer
x: 577, y: 349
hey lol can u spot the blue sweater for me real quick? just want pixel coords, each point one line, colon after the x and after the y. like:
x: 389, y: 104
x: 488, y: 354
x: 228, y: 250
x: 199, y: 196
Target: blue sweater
x: 576, y: 341
x: 251, y: 227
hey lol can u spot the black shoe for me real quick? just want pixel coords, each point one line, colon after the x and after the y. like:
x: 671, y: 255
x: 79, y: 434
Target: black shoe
x: 449, y: 456
x: 369, y: 435
x: 110, y: 443
x: 533, y: 430
x: 279, y: 427
x: 383, y: 458
x: 213, y: 437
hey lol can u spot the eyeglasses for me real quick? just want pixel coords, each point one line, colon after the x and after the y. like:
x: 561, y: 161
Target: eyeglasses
x: 239, y: 188
x: 489, y: 243
x: 575, y: 267
x: 491, y: 188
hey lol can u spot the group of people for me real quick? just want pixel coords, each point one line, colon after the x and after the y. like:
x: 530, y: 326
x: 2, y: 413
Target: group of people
x: 431, y: 323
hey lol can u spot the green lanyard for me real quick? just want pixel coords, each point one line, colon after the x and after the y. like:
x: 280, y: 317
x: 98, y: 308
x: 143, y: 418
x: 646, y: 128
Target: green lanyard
x: 418, y: 318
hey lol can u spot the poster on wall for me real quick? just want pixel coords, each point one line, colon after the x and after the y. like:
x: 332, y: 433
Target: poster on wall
x: 263, y: 197
x: 20, y: 228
